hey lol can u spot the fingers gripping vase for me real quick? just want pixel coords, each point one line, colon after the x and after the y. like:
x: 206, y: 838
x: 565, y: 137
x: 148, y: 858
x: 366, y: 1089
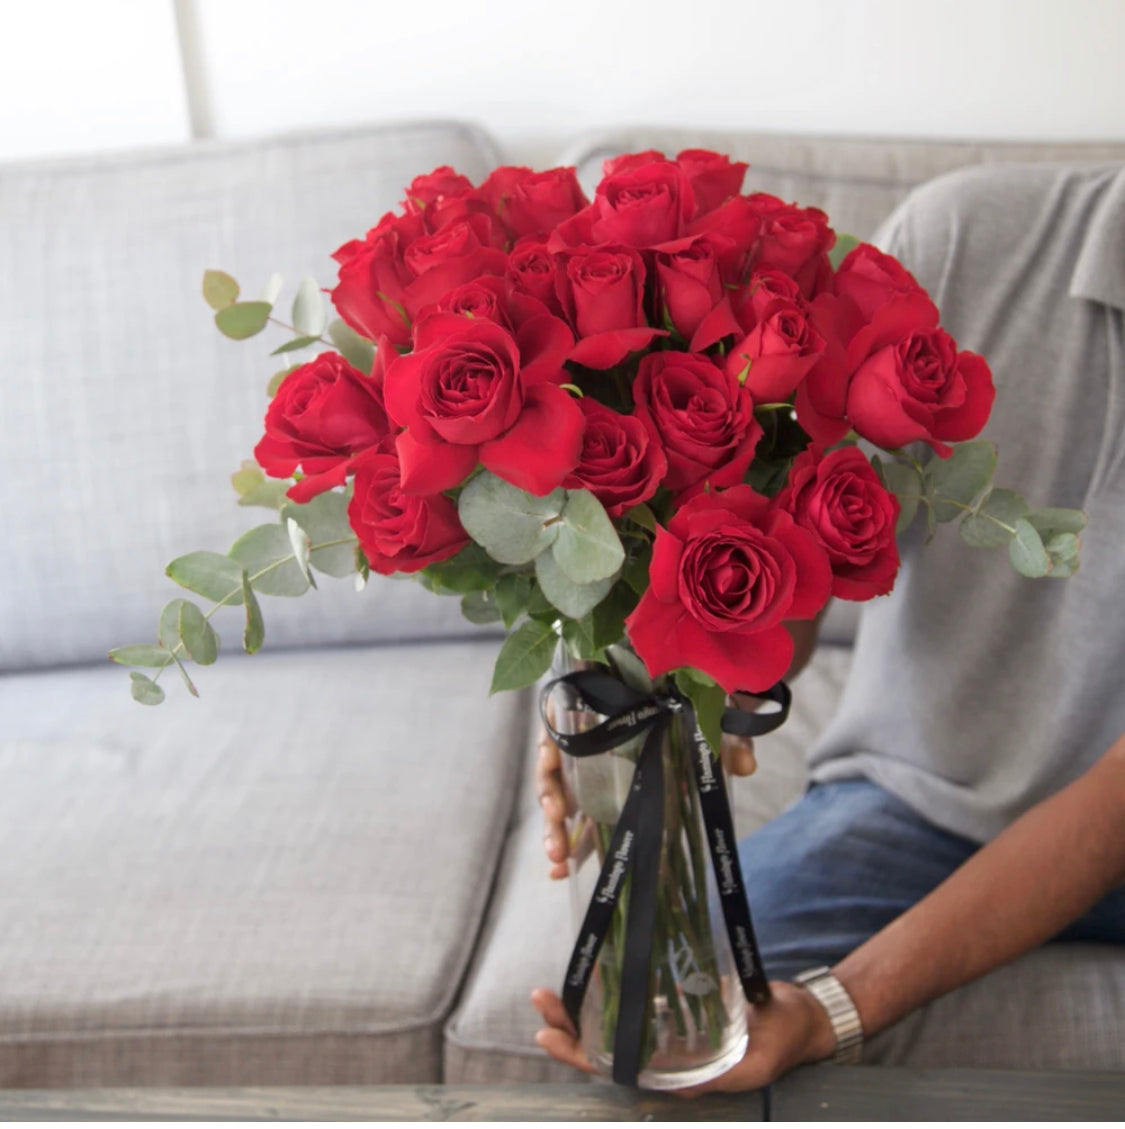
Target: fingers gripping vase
x: 682, y: 1019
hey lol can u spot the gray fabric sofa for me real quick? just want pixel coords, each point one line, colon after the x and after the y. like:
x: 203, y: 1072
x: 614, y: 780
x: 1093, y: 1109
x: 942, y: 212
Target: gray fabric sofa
x: 329, y: 869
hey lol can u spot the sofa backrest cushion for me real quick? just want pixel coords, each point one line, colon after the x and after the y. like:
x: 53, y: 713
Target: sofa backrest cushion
x: 857, y: 182
x: 125, y: 411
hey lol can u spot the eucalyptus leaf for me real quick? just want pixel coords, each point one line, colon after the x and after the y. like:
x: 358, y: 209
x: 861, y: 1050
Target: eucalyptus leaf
x: 1062, y: 569
x: 629, y: 667
x: 211, y: 575
x: 144, y: 690
x: 197, y: 635
x: 525, y: 656
x: 587, y: 547
x: 243, y: 319
x: 271, y: 494
x: 512, y: 595
x: 609, y: 616
x: 572, y: 599
x: 308, y: 309
x: 299, y: 542
x: 1049, y: 521
x: 480, y: 607
x: 579, y: 637
x: 272, y: 288
x: 168, y: 628
x: 219, y: 289
x: 356, y: 350
x: 956, y: 482
x: 471, y: 570
x: 141, y: 654
x: 255, y: 632
x: 267, y: 556
x: 278, y: 379
x: 325, y: 519
x: 185, y: 676
x: 904, y: 481
x: 843, y: 246
x: 993, y: 523
x: 1061, y: 546
x: 1027, y: 552
x: 293, y: 346
x: 511, y: 524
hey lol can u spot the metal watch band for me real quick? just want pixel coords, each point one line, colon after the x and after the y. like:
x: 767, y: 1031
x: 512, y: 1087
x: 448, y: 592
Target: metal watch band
x: 842, y: 1014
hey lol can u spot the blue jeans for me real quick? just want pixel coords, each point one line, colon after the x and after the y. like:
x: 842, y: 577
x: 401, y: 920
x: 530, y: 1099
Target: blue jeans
x: 846, y: 860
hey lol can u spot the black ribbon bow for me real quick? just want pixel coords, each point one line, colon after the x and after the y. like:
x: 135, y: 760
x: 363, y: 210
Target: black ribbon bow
x: 635, y: 845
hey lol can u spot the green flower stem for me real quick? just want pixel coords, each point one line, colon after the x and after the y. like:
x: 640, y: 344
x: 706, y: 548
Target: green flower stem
x: 225, y: 601
x: 297, y: 333
x: 973, y: 510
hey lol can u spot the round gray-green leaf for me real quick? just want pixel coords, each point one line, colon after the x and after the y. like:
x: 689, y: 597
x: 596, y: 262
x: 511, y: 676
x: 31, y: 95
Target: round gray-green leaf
x: 587, y: 547
x: 1027, y: 552
x: 356, y: 350
x: 219, y: 289
x: 141, y: 654
x: 308, y: 309
x: 956, y: 482
x: 994, y: 522
x: 243, y: 319
x: 905, y: 483
x: 210, y: 575
x: 572, y: 599
x: 267, y: 556
x: 144, y: 690
x: 325, y: 520
x: 197, y: 635
x: 254, y: 633
x: 513, y: 526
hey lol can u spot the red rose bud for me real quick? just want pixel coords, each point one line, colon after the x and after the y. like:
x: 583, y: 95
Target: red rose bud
x: 713, y: 177
x: 533, y: 203
x: 400, y: 532
x: 701, y: 416
x: 724, y: 575
x: 601, y: 291
x: 621, y: 462
x: 687, y: 274
x: 778, y: 353
x: 440, y: 184
x: 324, y: 413
x: 870, y: 279
x: 795, y: 240
x: 464, y: 395
x: 644, y: 206
x: 920, y: 389
x: 839, y: 499
x: 532, y: 268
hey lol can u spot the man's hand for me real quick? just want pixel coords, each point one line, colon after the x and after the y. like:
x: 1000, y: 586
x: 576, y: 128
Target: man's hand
x: 790, y: 1030
x: 738, y: 758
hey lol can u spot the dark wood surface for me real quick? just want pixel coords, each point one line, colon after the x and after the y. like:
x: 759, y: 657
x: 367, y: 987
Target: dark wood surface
x: 822, y: 1093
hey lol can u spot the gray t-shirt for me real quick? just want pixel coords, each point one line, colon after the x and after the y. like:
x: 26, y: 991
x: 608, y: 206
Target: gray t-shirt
x: 976, y: 693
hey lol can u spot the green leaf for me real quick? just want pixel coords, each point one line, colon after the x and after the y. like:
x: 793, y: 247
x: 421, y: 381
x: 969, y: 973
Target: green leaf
x: 168, y: 629
x: 266, y: 554
x: 210, y: 575
x: 643, y: 516
x: 292, y: 347
x: 144, y: 690
x: 1062, y: 569
x: 630, y: 669
x: 254, y: 634
x: 635, y: 570
x: 471, y: 570
x: 219, y: 289
x: 243, y: 319
x: 185, y: 676
x: 278, y: 379
x: 325, y: 519
x: 993, y: 524
x: 141, y: 654
x: 480, y: 607
x: 272, y: 288
x: 961, y: 478
x: 254, y: 489
x: 579, y: 636
x: 308, y: 309
x: 843, y: 246
x: 1054, y: 520
x: 709, y: 701
x: 356, y: 350
x: 905, y: 483
x: 1061, y: 546
x: 198, y: 636
x: 572, y: 599
x: 511, y: 524
x: 525, y: 656
x: 299, y: 543
x: 768, y: 476
x: 512, y: 595
x: 1027, y: 552
x: 609, y: 615
x: 587, y: 547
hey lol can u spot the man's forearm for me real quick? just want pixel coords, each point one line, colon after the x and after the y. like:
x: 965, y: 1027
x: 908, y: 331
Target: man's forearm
x: 1018, y: 891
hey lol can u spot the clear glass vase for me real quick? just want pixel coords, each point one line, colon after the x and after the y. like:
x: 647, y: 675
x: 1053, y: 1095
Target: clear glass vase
x: 695, y: 1025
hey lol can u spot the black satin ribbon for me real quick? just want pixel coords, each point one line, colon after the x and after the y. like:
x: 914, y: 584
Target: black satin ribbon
x: 634, y: 847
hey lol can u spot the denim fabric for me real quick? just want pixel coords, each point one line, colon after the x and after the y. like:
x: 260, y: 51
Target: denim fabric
x: 846, y: 860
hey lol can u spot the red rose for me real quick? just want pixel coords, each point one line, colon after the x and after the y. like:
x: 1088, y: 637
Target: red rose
x: 795, y: 240
x: 324, y: 413
x: 626, y: 162
x: 533, y: 203
x: 464, y: 395
x: 601, y: 291
x: 724, y: 575
x: 713, y: 177
x: 643, y: 206
x: 920, y: 388
x: 440, y: 184
x: 733, y: 228
x: 687, y: 273
x: 400, y: 532
x: 531, y: 267
x: 870, y: 279
x: 779, y: 351
x: 702, y: 416
x: 621, y: 463
x: 839, y: 499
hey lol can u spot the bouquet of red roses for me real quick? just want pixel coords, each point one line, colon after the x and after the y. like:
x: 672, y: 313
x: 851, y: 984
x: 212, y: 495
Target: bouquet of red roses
x: 631, y: 424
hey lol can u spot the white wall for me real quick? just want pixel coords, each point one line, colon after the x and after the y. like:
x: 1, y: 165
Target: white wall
x: 537, y: 72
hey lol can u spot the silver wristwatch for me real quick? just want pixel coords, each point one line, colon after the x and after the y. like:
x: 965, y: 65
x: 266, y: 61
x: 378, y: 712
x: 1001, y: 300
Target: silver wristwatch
x: 842, y: 1014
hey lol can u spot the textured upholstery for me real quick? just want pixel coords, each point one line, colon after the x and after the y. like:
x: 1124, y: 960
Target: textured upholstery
x: 248, y: 888
x: 125, y: 411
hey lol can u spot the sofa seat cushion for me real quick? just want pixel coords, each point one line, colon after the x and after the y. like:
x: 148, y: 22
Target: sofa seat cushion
x: 278, y: 884
x: 1061, y: 1007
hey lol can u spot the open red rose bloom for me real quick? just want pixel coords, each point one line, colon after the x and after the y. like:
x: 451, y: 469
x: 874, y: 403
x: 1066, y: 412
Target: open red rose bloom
x: 694, y: 358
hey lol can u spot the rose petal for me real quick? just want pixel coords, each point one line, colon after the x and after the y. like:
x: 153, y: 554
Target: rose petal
x: 429, y: 468
x: 604, y: 350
